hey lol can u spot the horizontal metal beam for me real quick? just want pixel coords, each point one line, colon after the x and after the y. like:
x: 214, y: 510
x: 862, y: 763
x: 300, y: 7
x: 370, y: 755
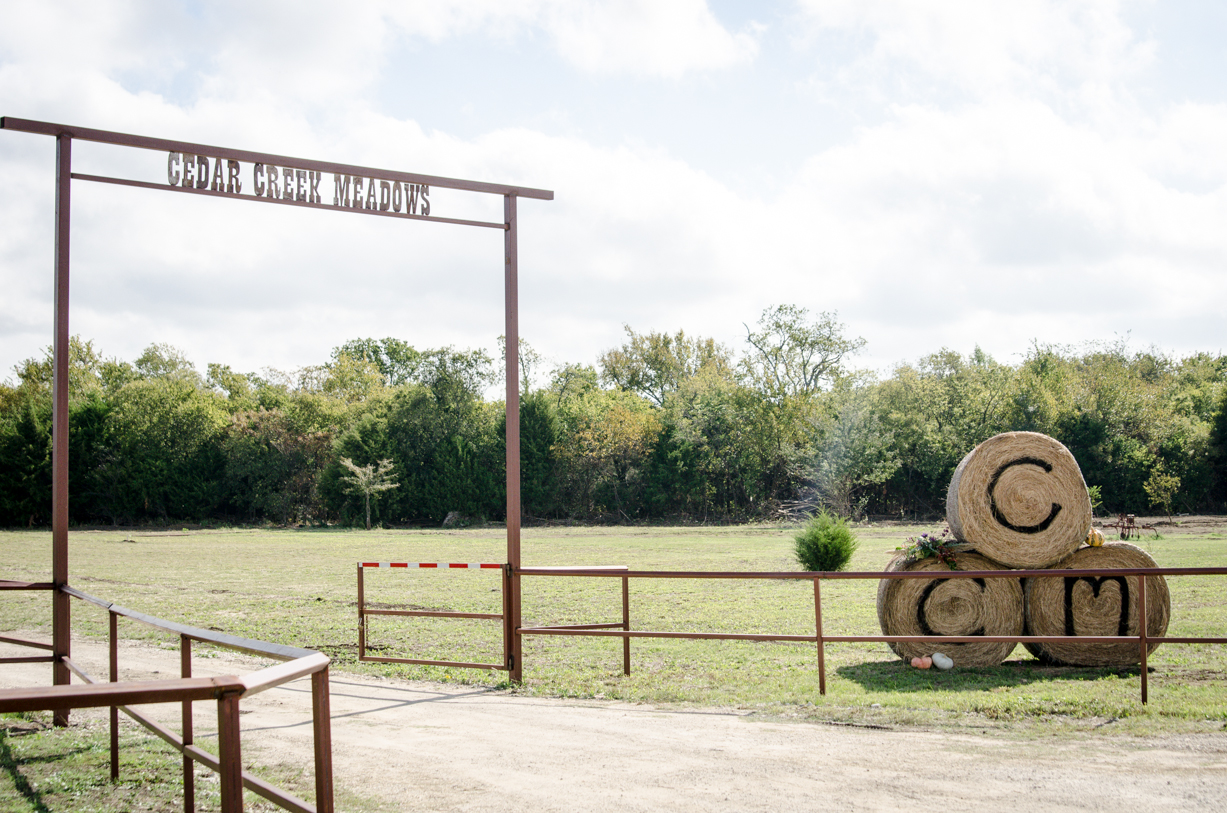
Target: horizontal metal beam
x: 30, y: 659
x: 116, y: 694
x: 274, y: 676
x: 21, y: 642
x: 278, y: 651
x: 603, y: 631
x: 809, y: 575
x: 167, y: 145
x: 434, y: 614
x: 6, y: 584
x: 422, y: 662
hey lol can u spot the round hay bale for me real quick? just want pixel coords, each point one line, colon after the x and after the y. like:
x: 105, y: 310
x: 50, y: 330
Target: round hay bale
x: 1019, y: 499
x: 1093, y: 605
x: 950, y: 607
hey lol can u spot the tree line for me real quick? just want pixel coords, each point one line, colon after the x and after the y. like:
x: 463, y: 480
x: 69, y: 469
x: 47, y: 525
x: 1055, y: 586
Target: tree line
x: 665, y: 426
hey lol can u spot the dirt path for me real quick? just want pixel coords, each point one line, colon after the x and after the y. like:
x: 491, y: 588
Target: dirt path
x: 418, y: 746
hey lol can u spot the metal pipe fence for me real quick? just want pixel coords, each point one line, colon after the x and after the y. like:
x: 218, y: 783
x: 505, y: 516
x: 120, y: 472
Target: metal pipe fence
x: 510, y: 635
x: 821, y: 639
x: 227, y: 690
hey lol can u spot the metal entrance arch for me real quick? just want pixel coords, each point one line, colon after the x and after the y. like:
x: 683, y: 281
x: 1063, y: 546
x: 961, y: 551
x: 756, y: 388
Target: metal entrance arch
x: 198, y: 169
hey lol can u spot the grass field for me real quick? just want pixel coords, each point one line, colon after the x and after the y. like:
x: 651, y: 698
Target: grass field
x: 298, y: 587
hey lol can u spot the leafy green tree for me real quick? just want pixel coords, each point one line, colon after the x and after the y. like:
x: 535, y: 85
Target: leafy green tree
x: 398, y: 363
x: 165, y: 458
x: 791, y: 355
x: 529, y: 361
x: 25, y: 466
x: 540, y: 434
x: 572, y: 381
x: 1161, y: 488
x: 728, y: 453
x: 239, y: 389
x: 935, y: 412
x: 606, y: 440
x: 272, y: 466
x: 852, y: 453
x: 85, y: 369
x: 1217, y: 451
x: 655, y: 364
x: 161, y: 360
x: 369, y: 480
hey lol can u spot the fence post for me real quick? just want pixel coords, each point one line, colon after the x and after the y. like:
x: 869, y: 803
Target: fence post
x: 322, y: 721
x: 507, y: 618
x: 229, y: 752
x: 361, y: 615
x: 189, y: 770
x: 113, y: 629
x: 626, y: 624
x: 1142, y: 631
x: 61, y: 607
x: 822, y: 670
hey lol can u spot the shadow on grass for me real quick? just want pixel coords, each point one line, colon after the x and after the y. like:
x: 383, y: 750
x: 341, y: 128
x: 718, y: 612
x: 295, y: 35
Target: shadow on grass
x: 11, y: 765
x: 895, y: 676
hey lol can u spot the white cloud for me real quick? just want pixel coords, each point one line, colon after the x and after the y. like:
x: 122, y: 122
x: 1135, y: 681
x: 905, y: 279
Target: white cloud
x: 983, y: 49
x: 1007, y: 216
x: 646, y: 37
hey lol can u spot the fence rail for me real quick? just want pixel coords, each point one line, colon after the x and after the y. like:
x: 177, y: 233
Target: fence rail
x: 820, y: 639
x: 509, y: 632
x: 227, y: 690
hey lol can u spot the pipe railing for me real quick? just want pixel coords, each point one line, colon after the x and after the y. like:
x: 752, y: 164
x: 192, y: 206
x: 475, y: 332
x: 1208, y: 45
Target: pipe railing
x: 227, y: 690
x: 820, y: 639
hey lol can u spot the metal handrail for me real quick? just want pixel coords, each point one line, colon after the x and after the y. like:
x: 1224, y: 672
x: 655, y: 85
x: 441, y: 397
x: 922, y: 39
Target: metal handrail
x: 226, y: 690
x: 249, y: 645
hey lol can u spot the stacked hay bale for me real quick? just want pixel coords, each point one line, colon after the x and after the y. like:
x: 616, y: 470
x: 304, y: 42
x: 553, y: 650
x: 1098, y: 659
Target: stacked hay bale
x: 1095, y: 605
x: 1018, y: 501
x: 951, y: 607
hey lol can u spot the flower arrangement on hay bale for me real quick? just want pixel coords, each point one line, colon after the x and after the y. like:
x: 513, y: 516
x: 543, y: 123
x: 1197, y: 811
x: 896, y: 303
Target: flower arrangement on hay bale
x: 940, y: 545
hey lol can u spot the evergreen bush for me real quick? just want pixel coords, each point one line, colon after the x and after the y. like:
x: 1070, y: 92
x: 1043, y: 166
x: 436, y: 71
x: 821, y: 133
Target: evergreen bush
x: 826, y: 543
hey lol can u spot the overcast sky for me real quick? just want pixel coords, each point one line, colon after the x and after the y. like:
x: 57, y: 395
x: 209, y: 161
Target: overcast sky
x: 941, y: 174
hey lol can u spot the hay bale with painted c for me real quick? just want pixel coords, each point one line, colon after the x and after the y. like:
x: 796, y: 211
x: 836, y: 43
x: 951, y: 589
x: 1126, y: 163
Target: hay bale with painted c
x: 1095, y: 605
x: 1019, y: 499
x: 958, y: 606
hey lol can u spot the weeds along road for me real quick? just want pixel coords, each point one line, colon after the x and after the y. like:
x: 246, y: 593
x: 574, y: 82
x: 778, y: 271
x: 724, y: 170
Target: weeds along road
x: 401, y: 745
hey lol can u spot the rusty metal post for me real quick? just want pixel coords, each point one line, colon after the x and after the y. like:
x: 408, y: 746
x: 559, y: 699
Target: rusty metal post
x: 321, y: 719
x: 189, y: 770
x: 508, y: 633
x: 822, y: 665
x: 113, y: 629
x: 626, y: 624
x: 361, y: 615
x: 511, y: 302
x: 61, y: 611
x: 1142, y: 632
x: 229, y: 753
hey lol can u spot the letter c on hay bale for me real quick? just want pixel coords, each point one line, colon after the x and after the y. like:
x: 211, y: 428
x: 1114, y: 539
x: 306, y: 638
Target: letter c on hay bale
x: 950, y: 607
x: 1019, y: 499
x: 1092, y: 605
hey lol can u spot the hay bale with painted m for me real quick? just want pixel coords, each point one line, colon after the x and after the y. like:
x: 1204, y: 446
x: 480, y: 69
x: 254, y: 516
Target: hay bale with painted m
x: 1096, y: 605
x: 1019, y: 499
x: 957, y: 606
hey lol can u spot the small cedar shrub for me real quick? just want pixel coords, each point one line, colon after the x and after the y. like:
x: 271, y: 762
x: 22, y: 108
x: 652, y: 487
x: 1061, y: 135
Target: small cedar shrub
x: 825, y: 543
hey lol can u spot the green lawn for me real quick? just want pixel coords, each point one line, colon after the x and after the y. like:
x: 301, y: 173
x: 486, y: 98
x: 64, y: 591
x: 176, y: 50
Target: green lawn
x: 298, y: 587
